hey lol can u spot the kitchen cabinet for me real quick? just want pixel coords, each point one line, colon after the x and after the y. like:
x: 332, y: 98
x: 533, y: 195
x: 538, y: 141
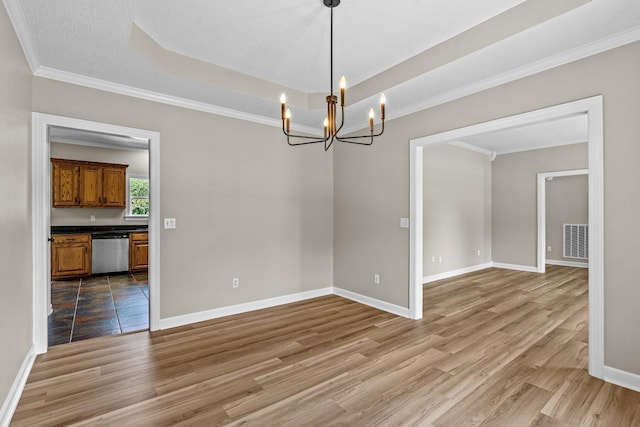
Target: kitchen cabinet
x: 90, y: 186
x: 138, y: 251
x: 80, y: 184
x: 66, y: 184
x: 114, y: 192
x: 70, y: 255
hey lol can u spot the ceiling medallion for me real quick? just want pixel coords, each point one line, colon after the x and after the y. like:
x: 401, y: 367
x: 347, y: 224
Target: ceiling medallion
x: 331, y: 129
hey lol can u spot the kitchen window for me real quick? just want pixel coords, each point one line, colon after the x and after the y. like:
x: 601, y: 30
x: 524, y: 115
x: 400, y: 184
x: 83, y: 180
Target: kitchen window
x: 138, y: 197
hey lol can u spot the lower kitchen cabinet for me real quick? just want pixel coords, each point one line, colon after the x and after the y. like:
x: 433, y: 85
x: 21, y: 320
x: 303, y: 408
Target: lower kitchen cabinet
x: 138, y: 251
x: 70, y: 255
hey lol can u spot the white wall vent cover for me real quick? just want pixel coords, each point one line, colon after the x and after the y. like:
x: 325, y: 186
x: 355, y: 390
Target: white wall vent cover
x: 576, y: 241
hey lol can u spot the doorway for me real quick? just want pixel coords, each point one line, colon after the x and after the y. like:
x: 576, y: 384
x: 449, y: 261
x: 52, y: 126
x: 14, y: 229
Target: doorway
x: 42, y: 125
x: 99, y: 233
x: 593, y: 109
x: 542, y: 179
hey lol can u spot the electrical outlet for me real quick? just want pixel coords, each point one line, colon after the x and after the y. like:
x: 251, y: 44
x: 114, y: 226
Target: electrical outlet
x: 548, y: 248
x: 92, y: 218
x: 433, y: 259
x: 404, y: 222
x: 376, y: 279
x: 440, y: 259
x: 169, y: 223
x: 236, y: 282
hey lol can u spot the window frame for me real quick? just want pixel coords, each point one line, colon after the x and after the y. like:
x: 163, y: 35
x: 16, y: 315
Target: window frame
x: 128, y: 215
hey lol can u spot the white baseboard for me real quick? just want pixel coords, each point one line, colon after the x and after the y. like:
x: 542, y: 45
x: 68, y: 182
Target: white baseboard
x: 11, y: 401
x: 372, y: 302
x: 567, y: 263
x: 453, y: 273
x: 172, y: 322
x: 515, y: 267
x: 622, y: 378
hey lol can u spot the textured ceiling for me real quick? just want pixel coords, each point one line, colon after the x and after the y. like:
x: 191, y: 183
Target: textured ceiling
x: 239, y: 55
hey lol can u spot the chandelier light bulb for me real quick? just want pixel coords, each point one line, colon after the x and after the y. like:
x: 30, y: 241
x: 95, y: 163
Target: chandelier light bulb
x: 371, y: 116
x: 287, y: 119
x: 283, y: 101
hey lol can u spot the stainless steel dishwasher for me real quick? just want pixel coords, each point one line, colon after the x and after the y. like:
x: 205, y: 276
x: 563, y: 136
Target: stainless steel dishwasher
x: 109, y: 252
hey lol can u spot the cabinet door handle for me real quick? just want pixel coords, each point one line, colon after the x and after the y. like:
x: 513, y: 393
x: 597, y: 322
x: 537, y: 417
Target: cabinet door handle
x: 51, y: 239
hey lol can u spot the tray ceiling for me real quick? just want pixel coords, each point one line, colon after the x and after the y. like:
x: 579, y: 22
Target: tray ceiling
x: 236, y: 57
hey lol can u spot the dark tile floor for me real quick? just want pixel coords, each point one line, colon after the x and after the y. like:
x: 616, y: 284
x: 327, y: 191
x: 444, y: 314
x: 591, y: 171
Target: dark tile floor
x: 98, y: 306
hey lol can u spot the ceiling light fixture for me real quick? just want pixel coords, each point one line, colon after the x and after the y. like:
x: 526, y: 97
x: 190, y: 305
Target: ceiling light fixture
x: 331, y: 130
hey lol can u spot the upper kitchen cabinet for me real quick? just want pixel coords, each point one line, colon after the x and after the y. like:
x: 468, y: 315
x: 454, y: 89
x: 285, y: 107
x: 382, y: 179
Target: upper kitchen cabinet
x: 80, y: 184
x: 91, y: 180
x: 66, y: 184
x: 114, y: 193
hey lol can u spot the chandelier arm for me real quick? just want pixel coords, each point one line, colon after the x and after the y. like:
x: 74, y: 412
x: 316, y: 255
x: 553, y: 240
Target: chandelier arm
x: 293, y: 144
x: 341, y: 120
x: 326, y: 147
x: 313, y: 139
x: 291, y: 135
x: 370, y: 142
x: 372, y: 135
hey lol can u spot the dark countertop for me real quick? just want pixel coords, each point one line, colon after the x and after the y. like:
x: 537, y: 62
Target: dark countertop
x: 66, y: 229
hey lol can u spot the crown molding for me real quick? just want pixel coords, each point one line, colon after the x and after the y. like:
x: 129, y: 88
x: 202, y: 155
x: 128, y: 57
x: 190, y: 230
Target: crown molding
x: 615, y: 41
x: 20, y: 27
x: 104, y: 85
x: 603, y: 45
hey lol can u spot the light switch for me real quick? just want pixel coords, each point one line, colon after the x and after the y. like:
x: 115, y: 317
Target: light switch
x: 169, y: 223
x: 404, y: 222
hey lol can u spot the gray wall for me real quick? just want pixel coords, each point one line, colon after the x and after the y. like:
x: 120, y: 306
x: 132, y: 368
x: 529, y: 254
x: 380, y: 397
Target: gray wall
x: 514, y: 196
x: 372, y: 186
x: 567, y: 203
x: 456, y: 208
x: 138, y: 162
x: 246, y: 204
x: 15, y: 206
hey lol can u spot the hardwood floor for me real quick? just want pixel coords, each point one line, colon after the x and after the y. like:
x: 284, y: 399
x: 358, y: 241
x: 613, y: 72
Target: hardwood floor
x: 495, y: 348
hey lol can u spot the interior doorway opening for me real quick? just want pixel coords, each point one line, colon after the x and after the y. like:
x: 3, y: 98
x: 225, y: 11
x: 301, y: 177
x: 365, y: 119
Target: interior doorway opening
x: 593, y: 109
x: 99, y: 235
x: 542, y: 180
x: 42, y: 127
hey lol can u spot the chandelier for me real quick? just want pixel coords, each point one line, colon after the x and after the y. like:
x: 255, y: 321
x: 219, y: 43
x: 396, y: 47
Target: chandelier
x: 331, y: 128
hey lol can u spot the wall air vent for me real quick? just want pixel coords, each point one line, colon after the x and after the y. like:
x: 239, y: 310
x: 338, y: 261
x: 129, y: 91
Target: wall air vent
x: 576, y: 241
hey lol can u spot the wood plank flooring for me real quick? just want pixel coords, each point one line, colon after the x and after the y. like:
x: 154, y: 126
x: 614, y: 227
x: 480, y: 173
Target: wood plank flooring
x: 495, y: 348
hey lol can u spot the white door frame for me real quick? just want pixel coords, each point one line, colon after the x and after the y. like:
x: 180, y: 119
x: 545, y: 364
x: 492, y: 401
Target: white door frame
x: 542, y: 211
x: 593, y: 107
x: 41, y: 219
